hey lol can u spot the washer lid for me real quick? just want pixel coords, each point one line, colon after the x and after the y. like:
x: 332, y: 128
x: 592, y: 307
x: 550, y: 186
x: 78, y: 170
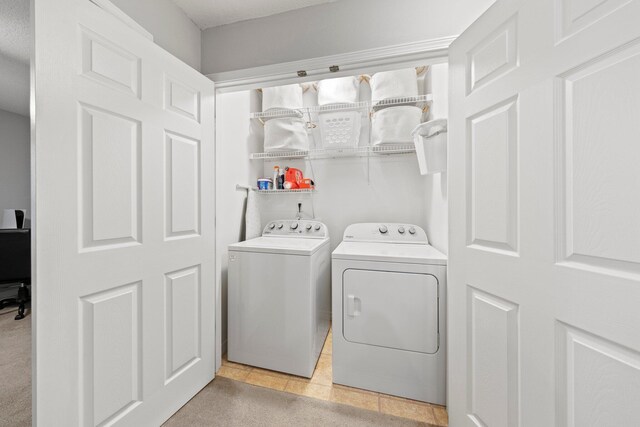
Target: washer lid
x: 280, y: 245
x: 390, y: 252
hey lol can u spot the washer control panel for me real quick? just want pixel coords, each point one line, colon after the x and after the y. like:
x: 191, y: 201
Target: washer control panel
x: 385, y: 233
x: 296, y: 228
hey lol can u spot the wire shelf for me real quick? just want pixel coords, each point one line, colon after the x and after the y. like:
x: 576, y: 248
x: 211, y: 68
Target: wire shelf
x: 337, y: 152
x: 291, y: 191
x: 419, y: 101
x: 279, y: 155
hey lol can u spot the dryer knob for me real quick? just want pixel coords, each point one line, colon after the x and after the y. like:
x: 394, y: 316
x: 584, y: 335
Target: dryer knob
x: 412, y: 230
x: 308, y: 227
x: 280, y: 226
x: 383, y: 229
x: 401, y: 230
x: 317, y: 227
x: 272, y: 226
x: 294, y: 225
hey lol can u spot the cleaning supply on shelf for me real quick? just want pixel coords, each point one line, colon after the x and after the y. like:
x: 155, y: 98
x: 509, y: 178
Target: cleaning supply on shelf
x: 276, y: 173
x: 281, y: 179
x: 265, y: 184
x: 307, y: 184
x: 293, y: 178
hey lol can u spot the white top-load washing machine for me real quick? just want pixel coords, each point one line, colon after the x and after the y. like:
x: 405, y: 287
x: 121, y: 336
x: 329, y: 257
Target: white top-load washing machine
x: 389, y: 289
x: 279, y: 297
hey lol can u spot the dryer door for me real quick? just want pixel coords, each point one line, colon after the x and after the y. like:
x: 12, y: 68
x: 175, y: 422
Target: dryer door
x: 391, y: 309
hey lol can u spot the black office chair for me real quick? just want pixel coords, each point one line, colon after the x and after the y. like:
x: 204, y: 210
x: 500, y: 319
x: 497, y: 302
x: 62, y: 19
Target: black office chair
x: 15, y: 265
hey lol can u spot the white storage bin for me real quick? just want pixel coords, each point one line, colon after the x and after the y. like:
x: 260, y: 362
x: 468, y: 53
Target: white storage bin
x: 282, y: 97
x: 393, y: 125
x: 430, y: 139
x: 340, y: 129
x: 286, y: 134
x: 342, y: 90
x: 391, y: 85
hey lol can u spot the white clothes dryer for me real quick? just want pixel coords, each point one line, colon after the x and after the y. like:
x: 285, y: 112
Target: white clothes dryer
x: 279, y: 297
x: 388, y: 292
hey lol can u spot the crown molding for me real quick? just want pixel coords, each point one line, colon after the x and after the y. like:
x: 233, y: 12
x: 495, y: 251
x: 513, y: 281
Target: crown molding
x: 318, y: 68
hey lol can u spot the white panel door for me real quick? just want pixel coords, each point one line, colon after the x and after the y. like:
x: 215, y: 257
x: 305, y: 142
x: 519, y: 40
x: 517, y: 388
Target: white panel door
x: 544, y: 261
x: 124, y: 222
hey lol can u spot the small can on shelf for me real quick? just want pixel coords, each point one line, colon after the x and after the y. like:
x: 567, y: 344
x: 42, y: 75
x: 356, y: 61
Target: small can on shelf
x: 265, y: 184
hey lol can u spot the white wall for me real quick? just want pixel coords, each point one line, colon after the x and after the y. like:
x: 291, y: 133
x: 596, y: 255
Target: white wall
x: 171, y: 27
x: 333, y: 28
x: 235, y: 140
x: 14, y: 85
x: 436, y: 205
x: 15, y: 158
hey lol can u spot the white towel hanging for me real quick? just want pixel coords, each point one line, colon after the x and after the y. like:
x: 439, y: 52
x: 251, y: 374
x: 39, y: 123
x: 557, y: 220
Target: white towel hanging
x: 253, y: 226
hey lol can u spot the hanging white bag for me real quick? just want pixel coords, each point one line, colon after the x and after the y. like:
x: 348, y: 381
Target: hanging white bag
x: 282, y: 97
x: 393, y: 125
x: 393, y: 85
x: 341, y: 90
x: 286, y: 134
x: 430, y: 139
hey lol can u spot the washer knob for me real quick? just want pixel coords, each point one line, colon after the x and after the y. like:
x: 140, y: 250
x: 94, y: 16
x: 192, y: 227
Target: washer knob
x: 317, y: 227
x: 294, y: 226
x: 383, y: 229
x: 280, y: 226
x: 272, y: 226
x: 412, y: 230
x: 308, y: 227
x: 401, y: 230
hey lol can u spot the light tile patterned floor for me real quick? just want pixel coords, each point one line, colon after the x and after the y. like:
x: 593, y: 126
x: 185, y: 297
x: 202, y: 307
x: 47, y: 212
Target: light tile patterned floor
x: 320, y: 387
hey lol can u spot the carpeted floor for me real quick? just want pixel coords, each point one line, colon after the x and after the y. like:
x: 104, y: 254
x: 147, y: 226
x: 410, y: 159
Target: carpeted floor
x: 229, y: 403
x: 15, y: 369
x: 223, y: 402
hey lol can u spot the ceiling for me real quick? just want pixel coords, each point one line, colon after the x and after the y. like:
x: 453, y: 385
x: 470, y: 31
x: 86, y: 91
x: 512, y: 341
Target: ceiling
x: 14, y: 29
x: 211, y: 13
x: 15, y: 46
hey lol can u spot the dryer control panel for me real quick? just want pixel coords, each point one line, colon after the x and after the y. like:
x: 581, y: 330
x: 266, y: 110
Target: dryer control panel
x: 385, y: 233
x: 304, y: 228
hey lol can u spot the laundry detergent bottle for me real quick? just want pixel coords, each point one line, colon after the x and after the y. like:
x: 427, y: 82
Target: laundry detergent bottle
x: 276, y: 173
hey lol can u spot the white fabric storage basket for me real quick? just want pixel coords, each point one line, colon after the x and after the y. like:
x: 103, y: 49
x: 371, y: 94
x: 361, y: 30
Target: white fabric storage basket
x: 286, y: 134
x: 282, y: 97
x: 393, y: 125
x: 340, y: 129
x: 430, y: 139
x: 342, y: 90
x: 390, y: 85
